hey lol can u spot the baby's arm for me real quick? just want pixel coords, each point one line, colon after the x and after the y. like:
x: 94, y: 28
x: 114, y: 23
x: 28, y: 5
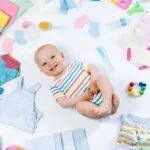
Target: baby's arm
x: 94, y: 73
x: 69, y: 102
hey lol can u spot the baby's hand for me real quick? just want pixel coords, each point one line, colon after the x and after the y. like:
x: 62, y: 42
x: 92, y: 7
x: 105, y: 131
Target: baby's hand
x: 88, y: 96
x: 92, y: 87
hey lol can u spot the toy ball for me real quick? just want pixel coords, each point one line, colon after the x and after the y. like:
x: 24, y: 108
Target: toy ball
x: 44, y: 25
x: 14, y: 147
x: 136, y: 89
x: 132, y: 84
x: 1, y: 90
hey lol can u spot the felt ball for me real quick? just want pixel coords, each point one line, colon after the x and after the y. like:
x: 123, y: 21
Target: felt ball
x: 1, y: 90
x: 143, y: 88
x: 131, y: 84
x: 132, y: 93
x: 130, y: 88
x: 140, y: 83
x: 14, y: 147
x: 144, y: 84
x: 141, y: 92
x: 44, y: 25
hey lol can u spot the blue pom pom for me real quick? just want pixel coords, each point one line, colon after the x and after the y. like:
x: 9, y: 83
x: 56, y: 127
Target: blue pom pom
x: 144, y: 84
x: 140, y: 83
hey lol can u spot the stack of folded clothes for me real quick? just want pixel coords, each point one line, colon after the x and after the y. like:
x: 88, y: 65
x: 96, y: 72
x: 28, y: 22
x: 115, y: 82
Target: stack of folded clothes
x: 9, y: 68
x: 134, y: 133
x: 10, y: 10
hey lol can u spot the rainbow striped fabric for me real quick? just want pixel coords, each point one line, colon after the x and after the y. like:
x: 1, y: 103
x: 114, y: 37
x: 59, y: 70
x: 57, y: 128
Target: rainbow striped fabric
x: 134, y: 135
x: 74, y: 82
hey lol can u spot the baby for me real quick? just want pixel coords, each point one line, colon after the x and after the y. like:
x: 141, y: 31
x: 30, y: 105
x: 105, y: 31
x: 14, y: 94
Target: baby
x: 77, y: 84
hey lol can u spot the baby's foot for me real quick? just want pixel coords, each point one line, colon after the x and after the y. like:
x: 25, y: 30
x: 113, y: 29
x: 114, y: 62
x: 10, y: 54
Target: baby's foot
x: 102, y: 111
x: 115, y: 103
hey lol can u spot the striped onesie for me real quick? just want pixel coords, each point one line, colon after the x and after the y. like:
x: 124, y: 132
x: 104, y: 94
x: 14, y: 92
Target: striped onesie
x: 75, y: 81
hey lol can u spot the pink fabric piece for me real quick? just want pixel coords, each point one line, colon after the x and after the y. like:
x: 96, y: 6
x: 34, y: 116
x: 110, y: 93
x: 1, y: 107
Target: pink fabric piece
x: 123, y: 4
x: 10, y: 8
x: 148, y: 48
x: 81, y: 21
x: 129, y: 54
x: 8, y: 45
x: 143, y: 67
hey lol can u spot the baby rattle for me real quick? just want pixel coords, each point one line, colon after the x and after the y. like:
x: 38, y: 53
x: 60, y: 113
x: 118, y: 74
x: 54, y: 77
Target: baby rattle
x: 45, y: 26
x: 136, y: 88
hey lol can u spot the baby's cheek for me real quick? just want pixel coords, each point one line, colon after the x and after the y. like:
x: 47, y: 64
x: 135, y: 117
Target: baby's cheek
x: 46, y: 71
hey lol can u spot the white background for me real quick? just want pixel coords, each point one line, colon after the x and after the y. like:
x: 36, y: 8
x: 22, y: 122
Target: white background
x: 78, y: 44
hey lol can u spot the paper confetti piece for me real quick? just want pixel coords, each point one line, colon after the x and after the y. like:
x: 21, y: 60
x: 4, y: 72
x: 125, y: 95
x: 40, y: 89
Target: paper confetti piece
x: 129, y: 54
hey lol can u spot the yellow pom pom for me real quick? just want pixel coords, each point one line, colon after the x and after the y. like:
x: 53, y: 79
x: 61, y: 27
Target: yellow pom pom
x: 132, y: 93
x: 44, y: 25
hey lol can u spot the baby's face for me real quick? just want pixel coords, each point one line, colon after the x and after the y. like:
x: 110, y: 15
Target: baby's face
x: 50, y: 61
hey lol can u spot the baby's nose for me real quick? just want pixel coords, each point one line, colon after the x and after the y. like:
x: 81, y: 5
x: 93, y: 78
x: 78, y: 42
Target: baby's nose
x: 49, y: 63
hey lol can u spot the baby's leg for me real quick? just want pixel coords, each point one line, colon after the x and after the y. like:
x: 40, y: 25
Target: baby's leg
x: 106, y: 89
x: 115, y: 103
x: 91, y: 110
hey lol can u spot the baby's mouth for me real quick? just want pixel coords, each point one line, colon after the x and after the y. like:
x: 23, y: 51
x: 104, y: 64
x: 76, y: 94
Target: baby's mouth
x: 53, y: 68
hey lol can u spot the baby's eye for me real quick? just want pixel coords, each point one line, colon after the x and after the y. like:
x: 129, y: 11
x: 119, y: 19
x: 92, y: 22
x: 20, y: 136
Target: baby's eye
x: 52, y: 57
x: 44, y: 64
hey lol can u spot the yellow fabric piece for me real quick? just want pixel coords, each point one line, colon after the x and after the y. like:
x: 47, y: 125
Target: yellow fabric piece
x: 3, y: 19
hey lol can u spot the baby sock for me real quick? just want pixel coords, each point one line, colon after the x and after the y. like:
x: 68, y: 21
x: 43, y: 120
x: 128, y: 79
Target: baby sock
x: 81, y: 21
x: 19, y: 37
x: 94, y: 29
x: 30, y: 30
x: 8, y: 45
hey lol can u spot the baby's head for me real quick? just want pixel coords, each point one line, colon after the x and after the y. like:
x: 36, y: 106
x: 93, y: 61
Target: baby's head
x: 50, y: 60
